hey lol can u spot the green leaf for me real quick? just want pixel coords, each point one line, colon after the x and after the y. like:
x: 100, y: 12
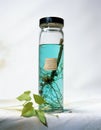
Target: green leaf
x: 42, y: 118
x: 28, y: 110
x: 25, y: 96
x: 38, y: 99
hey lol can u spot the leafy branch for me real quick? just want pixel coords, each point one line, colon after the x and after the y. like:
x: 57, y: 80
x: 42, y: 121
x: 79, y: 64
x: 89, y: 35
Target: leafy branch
x: 29, y: 110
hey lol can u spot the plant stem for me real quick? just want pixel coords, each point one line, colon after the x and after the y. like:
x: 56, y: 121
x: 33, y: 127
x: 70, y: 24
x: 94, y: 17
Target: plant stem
x: 58, y: 59
x: 56, y: 95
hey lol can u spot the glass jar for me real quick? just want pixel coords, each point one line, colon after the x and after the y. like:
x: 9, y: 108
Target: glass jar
x: 51, y: 63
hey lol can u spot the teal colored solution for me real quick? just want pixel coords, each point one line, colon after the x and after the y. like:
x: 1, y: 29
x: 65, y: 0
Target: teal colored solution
x: 51, y: 81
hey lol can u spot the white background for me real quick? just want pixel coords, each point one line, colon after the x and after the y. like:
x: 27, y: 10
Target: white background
x: 19, y: 40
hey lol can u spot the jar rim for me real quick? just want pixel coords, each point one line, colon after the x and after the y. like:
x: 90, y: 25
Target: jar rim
x: 51, y: 22
x: 51, y: 25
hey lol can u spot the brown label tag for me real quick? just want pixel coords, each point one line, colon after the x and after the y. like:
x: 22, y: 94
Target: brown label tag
x: 50, y: 64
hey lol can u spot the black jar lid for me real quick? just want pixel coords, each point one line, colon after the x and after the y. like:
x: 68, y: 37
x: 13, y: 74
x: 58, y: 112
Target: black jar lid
x: 51, y: 21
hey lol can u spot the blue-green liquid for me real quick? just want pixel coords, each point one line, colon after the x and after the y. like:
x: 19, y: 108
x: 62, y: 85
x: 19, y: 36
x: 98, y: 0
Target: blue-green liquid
x: 51, y: 81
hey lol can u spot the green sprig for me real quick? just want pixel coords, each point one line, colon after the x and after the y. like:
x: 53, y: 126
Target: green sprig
x: 29, y: 110
x: 25, y: 96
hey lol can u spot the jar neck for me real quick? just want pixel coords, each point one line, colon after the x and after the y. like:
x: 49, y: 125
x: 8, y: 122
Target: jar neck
x: 51, y: 29
x: 51, y: 35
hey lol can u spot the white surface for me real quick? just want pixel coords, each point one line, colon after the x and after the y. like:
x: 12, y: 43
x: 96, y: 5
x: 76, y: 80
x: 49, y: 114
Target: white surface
x: 19, y: 35
x: 84, y: 116
x: 64, y: 122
